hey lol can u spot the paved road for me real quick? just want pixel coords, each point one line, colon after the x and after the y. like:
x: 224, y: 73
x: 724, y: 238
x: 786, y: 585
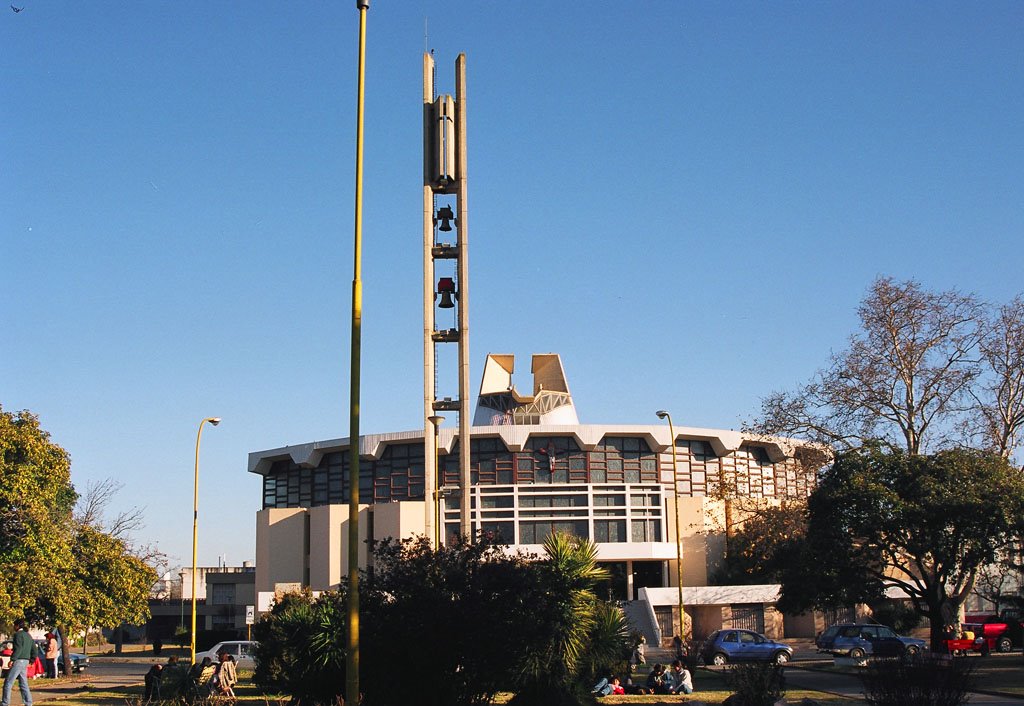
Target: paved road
x: 99, y: 675
x: 850, y: 686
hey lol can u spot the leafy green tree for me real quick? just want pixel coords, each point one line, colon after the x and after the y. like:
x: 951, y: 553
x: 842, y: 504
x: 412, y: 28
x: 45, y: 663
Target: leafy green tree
x: 55, y: 568
x: 36, y: 502
x: 924, y: 524
x: 759, y: 551
x: 455, y: 621
x: 112, y: 584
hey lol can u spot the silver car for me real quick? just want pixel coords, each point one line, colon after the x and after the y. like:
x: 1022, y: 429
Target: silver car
x: 242, y: 650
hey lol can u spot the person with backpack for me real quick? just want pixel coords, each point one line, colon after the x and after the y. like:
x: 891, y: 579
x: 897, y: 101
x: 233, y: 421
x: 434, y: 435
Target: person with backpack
x: 24, y: 652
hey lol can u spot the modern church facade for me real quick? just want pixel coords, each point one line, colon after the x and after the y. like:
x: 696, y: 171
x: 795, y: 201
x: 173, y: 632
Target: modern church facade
x: 536, y: 470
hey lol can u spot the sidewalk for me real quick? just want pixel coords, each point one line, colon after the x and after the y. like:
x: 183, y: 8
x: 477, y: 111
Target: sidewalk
x: 48, y: 690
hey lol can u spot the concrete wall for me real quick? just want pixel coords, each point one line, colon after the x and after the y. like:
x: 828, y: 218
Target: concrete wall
x: 281, y: 534
x: 398, y: 520
x: 288, y: 552
x: 325, y: 559
x: 339, y: 533
x: 803, y: 625
x: 705, y: 620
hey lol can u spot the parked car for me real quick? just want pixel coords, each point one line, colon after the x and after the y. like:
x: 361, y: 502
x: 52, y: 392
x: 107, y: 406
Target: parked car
x: 79, y: 663
x: 859, y: 640
x: 242, y: 650
x: 1001, y: 632
x: 733, y: 645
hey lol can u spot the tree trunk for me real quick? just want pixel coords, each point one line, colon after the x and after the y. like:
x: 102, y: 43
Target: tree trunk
x: 65, y: 649
x: 937, y: 622
x: 118, y: 639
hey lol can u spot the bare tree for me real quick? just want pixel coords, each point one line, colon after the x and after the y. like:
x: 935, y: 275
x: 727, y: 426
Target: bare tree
x: 91, y: 511
x: 904, y: 379
x: 90, y: 514
x: 1000, y: 394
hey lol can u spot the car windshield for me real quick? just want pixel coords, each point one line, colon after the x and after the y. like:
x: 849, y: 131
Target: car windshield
x: 885, y: 632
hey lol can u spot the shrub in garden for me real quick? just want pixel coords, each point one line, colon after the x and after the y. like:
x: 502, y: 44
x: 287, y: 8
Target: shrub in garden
x: 920, y: 682
x: 301, y: 648
x: 757, y: 683
x: 451, y: 626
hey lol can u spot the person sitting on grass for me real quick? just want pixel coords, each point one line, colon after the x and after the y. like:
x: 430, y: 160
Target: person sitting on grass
x: 608, y: 685
x: 201, y: 676
x: 679, y: 679
x: 656, y: 680
x: 226, y: 677
x: 152, y: 678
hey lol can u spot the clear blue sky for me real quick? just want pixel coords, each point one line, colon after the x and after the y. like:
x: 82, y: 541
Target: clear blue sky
x: 685, y: 199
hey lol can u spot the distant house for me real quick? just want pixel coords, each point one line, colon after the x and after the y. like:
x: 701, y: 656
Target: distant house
x: 223, y: 594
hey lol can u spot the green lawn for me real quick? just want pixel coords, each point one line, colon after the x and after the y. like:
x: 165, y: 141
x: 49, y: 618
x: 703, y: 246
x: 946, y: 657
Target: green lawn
x: 1002, y: 673
x: 710, y: 688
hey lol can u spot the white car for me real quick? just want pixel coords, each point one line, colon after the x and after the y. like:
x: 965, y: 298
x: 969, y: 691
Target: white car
x: 242, y: 650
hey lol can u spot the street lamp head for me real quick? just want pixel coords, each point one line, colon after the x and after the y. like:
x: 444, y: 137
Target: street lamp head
x: 214, y: 420
x: 661, y: 414
x: 435, y: 420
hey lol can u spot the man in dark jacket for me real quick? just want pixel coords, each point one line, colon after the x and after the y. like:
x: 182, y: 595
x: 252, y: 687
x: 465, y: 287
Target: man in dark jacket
x: 24, y: 652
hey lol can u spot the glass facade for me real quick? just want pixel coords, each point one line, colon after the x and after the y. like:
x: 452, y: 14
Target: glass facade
x: 558, y: 468
x: 527, y: 514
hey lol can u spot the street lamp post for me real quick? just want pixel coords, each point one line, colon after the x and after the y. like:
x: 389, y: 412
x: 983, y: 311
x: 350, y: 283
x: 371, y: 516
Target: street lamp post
x: 181, y: 596
x: 353, y: 693
x: 436, y: 421
x: 195, y: 533
x: 662, y: 414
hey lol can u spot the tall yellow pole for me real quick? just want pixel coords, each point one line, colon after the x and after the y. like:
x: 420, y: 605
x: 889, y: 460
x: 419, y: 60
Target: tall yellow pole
x: 352, y: 692
x: 662, y: 414
x: 195, y: 533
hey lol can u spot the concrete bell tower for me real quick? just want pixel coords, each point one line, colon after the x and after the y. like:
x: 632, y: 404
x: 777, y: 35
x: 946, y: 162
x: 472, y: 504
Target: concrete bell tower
x: 445, y: 284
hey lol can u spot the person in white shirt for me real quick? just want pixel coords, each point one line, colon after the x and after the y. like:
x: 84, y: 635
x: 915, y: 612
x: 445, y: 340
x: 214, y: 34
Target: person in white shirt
x: 679, y: 679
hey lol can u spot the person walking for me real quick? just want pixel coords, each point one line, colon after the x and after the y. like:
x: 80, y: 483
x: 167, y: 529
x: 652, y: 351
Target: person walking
x: 24, y: 652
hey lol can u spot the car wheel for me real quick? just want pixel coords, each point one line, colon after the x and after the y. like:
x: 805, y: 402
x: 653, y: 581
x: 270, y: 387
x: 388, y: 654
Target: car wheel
x: 856, y: 653
x: 912, y: 650
x: 1004, y: 644
x: 719, y: 659
x: 781, y: 657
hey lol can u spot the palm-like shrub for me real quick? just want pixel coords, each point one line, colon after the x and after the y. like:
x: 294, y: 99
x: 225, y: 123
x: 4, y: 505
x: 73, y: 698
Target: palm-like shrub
x: 301, y: 648
x: 584, y: 634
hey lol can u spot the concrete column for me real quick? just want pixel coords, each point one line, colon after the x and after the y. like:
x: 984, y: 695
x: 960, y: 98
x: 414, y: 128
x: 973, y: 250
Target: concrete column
x: 462, y: 191
x: 429, y: 362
